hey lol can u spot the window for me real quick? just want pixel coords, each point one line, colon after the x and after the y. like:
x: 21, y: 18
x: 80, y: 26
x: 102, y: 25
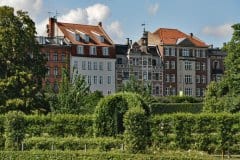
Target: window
x: 48, y: 71
x: 172, y: 78
x: 156, y: 76
x: 125, y: 75
x: 167, y: 78
x: 109, y: 92
x: 109, y: 66
x: 86, y: 38
x: 188, y: 79
x: 216, y: 65
x: 203, y: 66
x: 167, y: 65
x: 198, y: 79
x: 203, y: 54
x: 101, y: 66
x: 93, y: 50
x: 55, y: 57
x: 167, y: 91
x: 89, y: 65
x: 188, y: 91
x: 173, y: 52
x: 109, y: 80
x: 95, y: 65
x: 185, y: 52
x: 63, y: 57
x: 55, y: 72
x: 166, y: 51
x: 77, y: 37
x: 198, y: 92
x: 149, y: 75
x: 101, y: 39
x: 83, y: 65
x: 94, y: 79
x: 173, y: 91
x: 89, y: 79
x: 157, y: 90
x: 75, y: 66
x: 188, y: 65
x: 80, y: 50
x: 172, y: 64
x: 105, y: 51
x: 203, y: 79
x: 154, y: 62
x: 198, y: 53
x: 198, y: 66
x: 48, y: 56
x: 101, y: 80
x: 119, y: 60
x: 145, y: 75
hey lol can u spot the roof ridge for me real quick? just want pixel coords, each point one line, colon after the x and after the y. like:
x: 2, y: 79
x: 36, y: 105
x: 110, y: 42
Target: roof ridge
x: 78, y: 24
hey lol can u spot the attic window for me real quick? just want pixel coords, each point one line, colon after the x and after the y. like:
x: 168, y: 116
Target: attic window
x: 84, y: 36
x: 99, y: 37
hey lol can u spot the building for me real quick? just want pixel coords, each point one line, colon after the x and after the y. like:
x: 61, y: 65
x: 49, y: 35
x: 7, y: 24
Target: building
x: 92, y: 53
x: 142, y: 61
x: 185, y: 61
x: 215, y: 64
x: 57, y: 52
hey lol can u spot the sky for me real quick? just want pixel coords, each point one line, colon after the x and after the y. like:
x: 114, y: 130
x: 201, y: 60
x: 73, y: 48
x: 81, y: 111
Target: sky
x: 209, y: 20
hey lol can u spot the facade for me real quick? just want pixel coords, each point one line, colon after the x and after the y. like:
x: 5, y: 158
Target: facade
x: 185, y: 62
x: 57, y: 53
x: 92, y: 53
x: 216, y: 64
x: 142, y: 61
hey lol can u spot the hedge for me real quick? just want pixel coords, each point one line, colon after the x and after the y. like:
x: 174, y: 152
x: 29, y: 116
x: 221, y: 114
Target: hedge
x: 214, y: 133
x: 76, y: 155
x: 162, y: 108
x: 59, y: 125
x: 71, y: 143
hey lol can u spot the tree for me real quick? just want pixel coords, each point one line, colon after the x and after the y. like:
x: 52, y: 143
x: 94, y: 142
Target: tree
x: 225, y: 95
x: 72, y: 97
x: 21, y: 66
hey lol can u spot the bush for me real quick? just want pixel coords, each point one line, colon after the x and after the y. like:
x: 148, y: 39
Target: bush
x: 162, y: 108
x: 2, y: 139
x: 110, y: 111
x: 14, y: 130
x: 59, y: 125
x: 137, y: 132
x: 71, y: 143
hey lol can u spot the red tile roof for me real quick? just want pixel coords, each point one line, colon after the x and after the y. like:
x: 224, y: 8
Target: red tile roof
x: 92, y: 31
x: 170, y: 36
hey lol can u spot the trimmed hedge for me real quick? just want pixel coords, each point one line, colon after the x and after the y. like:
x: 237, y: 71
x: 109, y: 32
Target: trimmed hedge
x: 214, y: 133
x: 71, y: 143
x: 59, y: 125
x: 163, y: 108
x: 76, y: 155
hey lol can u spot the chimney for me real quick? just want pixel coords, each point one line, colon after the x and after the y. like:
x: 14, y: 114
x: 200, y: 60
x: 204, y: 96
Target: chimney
x: 100, y: 24
x: 127, y: 41
x: 51, y: 27
x: 191, y: 35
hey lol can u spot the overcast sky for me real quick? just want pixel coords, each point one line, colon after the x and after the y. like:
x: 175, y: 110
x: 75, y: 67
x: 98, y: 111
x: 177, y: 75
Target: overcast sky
x: 209, y: 20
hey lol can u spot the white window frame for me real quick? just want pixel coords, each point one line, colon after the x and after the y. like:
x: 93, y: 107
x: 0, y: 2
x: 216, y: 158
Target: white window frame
x: 94, y: 79
x: 100, y: 79
x: 188, y: 91
x: 173, y: 65
x: 80, y: 49
x: 93, y: 50
x: 109, y: 66
x: 108, y: 79
x: 95, y: 66
x: 89, y: 65
x: 101, y: 66
x: 105, y: 51
x: 167, y: 65
x: 185, y: 52
x: 89, y: 79
x: 83, y: 65
x: 188, y: 65
x: 188, y: 79
x: 198, y: 66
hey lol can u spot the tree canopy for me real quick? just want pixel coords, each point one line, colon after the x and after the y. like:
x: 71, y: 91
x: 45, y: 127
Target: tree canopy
x: 225, y: 95
x: 22, y: 67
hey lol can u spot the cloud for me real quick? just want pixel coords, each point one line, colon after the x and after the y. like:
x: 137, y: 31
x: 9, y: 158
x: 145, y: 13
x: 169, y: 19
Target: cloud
x: 97, y: 13
x: 33, y: 7
x: 75, y: 16
x: 223, y: 31
x: 153, y: 8
x: 115, y: 31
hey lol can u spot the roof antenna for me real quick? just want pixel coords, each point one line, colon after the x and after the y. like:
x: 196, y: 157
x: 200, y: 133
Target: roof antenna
x: 144, y: 24
x: 56, y: 14
x: 49, y: 14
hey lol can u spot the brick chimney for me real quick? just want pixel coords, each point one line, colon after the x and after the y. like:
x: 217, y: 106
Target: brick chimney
x: 51, y: 26
x: 100, y: 24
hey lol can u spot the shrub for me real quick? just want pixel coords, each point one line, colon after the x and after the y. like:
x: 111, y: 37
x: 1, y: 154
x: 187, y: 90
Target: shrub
x: 162, y: 108
x: 14, y: 130
x: 137, y: 132
x: 110, y: 111
x: 2, y: 139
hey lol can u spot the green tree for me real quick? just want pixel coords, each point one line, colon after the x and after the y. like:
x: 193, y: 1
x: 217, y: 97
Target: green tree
x: 225, y: 95
x: 72, y: 96
x: 21, y: 66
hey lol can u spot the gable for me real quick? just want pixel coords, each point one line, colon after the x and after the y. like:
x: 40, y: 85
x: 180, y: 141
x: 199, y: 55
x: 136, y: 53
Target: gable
x: 185, y: 42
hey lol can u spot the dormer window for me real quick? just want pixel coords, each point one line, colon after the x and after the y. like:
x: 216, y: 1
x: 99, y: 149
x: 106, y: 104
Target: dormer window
x: 101, y: 39
x: 105, y: 51
x: 86, y: 38
x: 93, y: 50
x: 77, y: 37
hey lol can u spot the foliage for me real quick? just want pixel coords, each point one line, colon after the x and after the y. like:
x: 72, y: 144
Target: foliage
x: 72, y: 143
x: 2, y: 130
x: 110, y: 111
x: 21, y: 64
x: 163, y: 108
x: 137, y: 130
x: 225, y: 95
x: 72, y: 96
x: 14, y: 130
x: 93, y: 154
x: 59, y: 125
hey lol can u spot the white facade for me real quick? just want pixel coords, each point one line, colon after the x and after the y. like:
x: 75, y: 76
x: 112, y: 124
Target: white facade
x: 99, y: 73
